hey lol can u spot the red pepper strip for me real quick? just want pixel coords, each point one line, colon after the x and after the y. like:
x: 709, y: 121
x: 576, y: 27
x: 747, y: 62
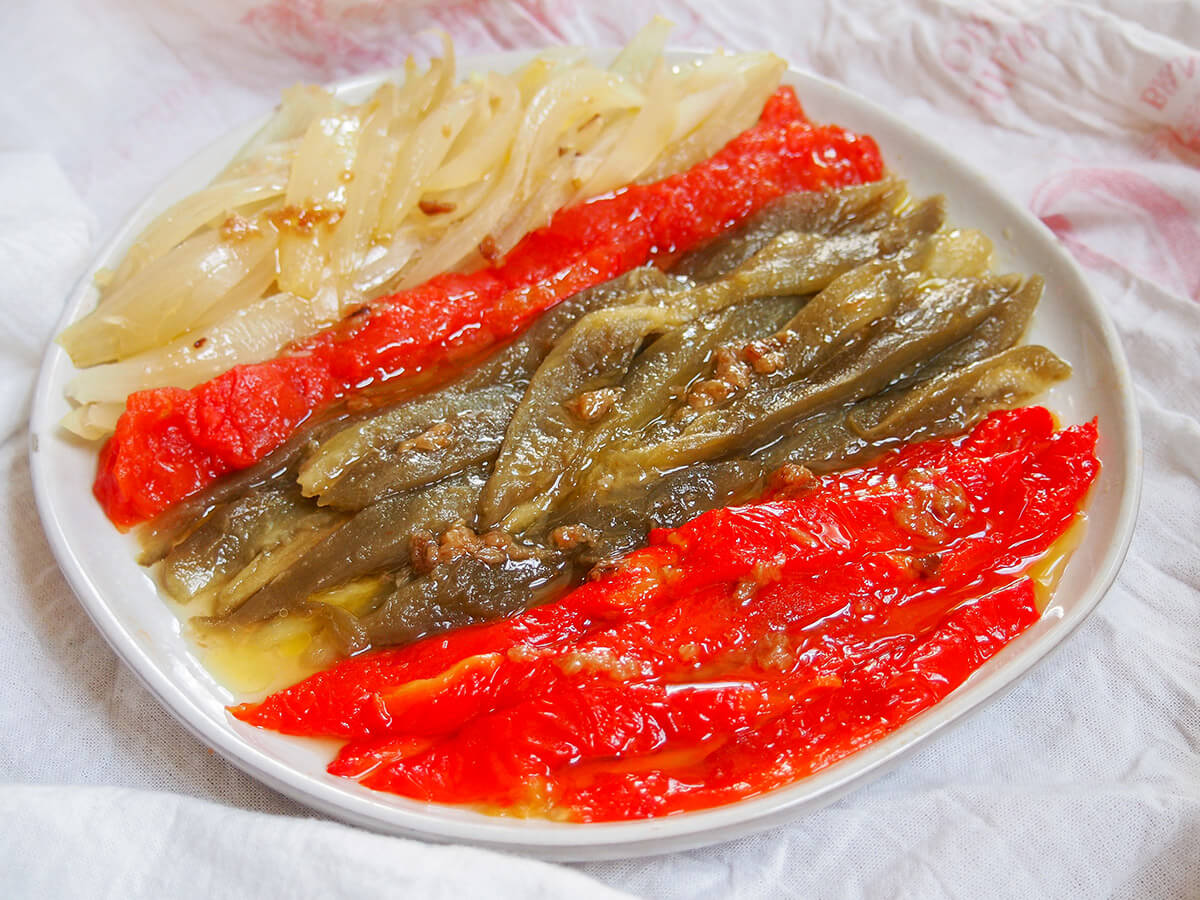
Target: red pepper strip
x: 587, y: 719
x: 352, y: 698
x: 718, y: 627
x: 170, y: 443
x: 709, y: 622
x: 890, y: 682
x: 371, y: 753
x: 549, y: 741
x: 849, y: 516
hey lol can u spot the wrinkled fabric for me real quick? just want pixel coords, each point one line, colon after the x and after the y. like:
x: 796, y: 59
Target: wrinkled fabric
x: 1084, y: 780
x: 127, y: 843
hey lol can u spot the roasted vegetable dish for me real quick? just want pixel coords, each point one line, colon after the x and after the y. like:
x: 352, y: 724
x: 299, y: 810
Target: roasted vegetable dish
x: 693, y: 490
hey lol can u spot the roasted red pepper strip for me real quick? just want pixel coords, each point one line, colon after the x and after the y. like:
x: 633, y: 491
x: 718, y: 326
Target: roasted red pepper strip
x: 496, y: 758
x: 358, y: 696
x: 572, y: 733
x: 772, y: 638
x: 170, y: 443
x: 846, y: 709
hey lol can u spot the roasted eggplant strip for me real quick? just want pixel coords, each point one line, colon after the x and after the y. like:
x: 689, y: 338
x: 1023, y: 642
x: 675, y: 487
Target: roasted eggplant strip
x: 517, y: 361
x: 657, y: 378
x: 795, y: 262
x: 677, y: 360
x: 467, y: 430
x: 868, y: 291
x: 944, y: 404
x: 998, y: 331
x: 380, y: 436
x: 955, y: 399
x: 547, y: 431
x: 373, y: 540
x: 804, y: 263
x: 864, y: 207
x: 927, y: 321
x: 467, y: 591
x: 200, y: 568
x: 619, y: 520
x: 464, y: 591
x: 681, y: 357
x: 272, y: 562
x: 370, y: 454
x: 866, y: 295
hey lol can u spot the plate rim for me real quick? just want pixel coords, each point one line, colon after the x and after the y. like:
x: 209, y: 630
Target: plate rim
x: 560, y: 841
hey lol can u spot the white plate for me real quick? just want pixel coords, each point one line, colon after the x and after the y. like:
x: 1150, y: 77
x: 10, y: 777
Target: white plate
x: 125, y: 605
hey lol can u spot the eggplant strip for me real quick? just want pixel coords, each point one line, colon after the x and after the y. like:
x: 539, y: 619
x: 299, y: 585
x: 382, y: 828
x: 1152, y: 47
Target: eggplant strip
x: 999, y: 331
x: 657, y: 378
x: 804, y: 263
x: 376, y: 539
x: 200, y: 569
x: 620, y: 520
x: 463, y: 591
x: 545, y: 433
x: 924, y: 322
x: 661, y: 375
x: 468, y: 430
x: 927, y: 321
x: 865, y: 207
x: 369, y: 454
x: 957, y: 398
x: 272, y: 562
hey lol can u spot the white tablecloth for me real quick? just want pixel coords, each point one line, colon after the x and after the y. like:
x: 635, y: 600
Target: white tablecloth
x: 1083, y: 781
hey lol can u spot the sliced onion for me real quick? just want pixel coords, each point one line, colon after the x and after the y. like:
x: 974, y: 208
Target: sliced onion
x: 251, y: 334
x: 331, y: 204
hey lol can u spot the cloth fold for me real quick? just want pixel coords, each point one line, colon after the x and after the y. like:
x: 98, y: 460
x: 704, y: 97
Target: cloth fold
x: 1082, y: 781
x: 45, y: 238
x: 139, y: 844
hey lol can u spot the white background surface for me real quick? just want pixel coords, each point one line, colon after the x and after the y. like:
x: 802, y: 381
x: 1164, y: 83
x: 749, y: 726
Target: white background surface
x: 1084, y: 780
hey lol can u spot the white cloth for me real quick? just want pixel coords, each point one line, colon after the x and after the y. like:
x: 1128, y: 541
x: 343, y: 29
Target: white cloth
x: 1082, y: 781
x: 170, y: 846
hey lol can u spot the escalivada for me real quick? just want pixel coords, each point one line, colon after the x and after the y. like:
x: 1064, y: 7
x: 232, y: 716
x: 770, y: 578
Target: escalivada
x: 702, y: 487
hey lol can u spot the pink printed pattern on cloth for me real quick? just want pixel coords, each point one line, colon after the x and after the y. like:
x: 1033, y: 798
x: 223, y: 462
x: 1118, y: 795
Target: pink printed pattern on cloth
x: 1171, y: 252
